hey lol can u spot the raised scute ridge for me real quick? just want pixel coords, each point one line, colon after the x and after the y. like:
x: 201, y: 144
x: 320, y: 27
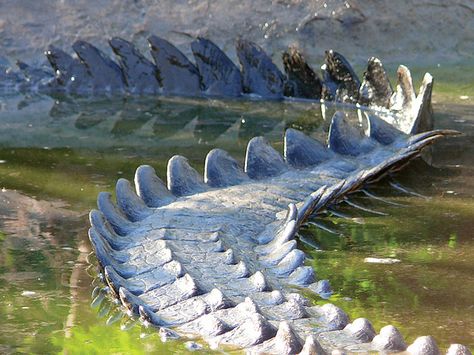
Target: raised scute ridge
x: 200, y: 261
x: 175, y: 72
x: 423, y: 112
x: 260, y: 75
x: 458, y: 349
x: 151, y: 188
x: 129, y: 202
x: 262, y: 160
x: 376, y: 89
x: 105, y: 73
x: 389, y: 339
x: 342, y: 76
x: 221, y: 170
x: 284, y: 342
x: 425, y: 345
x: 302, y: 80
x: 114, y: 216
x: 346, y: 139
x: 139, y: 73
x: 382, y: 131
x: 302, y: 151
x: 71, y: 74
x: 219, y: 75
x: 182, y: 178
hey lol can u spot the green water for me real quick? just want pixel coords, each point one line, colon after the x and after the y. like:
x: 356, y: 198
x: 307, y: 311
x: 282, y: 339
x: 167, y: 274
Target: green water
x: 59, y: 153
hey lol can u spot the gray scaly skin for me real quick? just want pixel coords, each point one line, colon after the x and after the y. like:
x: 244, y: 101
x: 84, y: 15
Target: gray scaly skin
x: 216, y: 257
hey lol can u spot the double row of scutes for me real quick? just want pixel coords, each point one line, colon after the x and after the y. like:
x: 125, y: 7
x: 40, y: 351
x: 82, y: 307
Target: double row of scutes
x: 207, y: 257
x: 213, y: 74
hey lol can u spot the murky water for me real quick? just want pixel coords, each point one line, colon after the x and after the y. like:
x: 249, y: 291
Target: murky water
x: 58, y: 154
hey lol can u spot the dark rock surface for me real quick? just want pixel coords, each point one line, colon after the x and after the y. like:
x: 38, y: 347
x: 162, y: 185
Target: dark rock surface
x: 408, y: 32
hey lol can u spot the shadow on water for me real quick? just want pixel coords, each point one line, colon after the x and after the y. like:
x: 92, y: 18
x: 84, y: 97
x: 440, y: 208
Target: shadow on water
x: 70, y: 149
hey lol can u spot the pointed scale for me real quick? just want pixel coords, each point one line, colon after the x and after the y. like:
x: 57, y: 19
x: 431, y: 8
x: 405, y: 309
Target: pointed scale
x: 232, y: 234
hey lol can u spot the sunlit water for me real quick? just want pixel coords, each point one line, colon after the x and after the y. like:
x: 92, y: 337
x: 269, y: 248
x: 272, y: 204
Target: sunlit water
x: 59, y: 154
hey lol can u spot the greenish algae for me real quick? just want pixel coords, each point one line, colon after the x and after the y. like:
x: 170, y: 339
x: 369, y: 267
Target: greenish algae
x: 428, y: 292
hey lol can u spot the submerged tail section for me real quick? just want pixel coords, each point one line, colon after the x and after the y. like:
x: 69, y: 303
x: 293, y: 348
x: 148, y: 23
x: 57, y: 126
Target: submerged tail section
x: 217, y: 256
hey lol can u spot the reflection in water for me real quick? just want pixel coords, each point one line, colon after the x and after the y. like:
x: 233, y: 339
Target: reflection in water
x: 77, y: 275
x: 78, y: 122
x: 91, y: 144
x: 36, y: 254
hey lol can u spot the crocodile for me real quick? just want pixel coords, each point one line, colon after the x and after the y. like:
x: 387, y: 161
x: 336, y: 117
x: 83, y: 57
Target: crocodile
x: 214, y: 74
x: 216, y: 256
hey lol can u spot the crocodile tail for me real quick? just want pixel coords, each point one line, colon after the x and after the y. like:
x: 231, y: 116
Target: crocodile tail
x: 105, y: 74
x: 219, y: 75
x: 140, y: 75
x: 214, y: 74
x: 262, y: 161
x: 161, y: 272
x: 414, y: 112
x: 302, y: 81
x: 376, y: 89
x: 260, y: 75
x: 341, y: 81
x: 176, y: 72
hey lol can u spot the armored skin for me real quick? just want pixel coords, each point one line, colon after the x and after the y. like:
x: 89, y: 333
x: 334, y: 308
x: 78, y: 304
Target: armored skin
x: 92, y: 72
x: 216, y: 256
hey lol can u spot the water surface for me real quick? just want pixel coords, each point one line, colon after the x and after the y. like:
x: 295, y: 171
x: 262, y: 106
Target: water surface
x: 57, y: 154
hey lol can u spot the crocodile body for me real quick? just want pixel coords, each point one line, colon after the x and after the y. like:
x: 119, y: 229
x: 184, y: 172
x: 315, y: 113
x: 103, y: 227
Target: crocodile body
x: 216, y: 257
x: 213, y: 74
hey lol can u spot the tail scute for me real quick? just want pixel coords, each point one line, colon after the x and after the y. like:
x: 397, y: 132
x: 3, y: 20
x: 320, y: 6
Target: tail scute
x: 261, y: 160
